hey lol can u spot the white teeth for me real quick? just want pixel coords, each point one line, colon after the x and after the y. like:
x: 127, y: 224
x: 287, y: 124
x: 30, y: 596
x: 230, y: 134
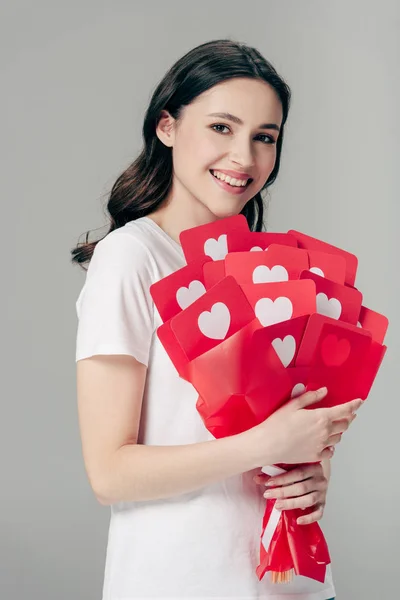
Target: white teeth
x: 231, y: 180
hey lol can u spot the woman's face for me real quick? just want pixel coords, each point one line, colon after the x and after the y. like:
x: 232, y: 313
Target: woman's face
x: 207, y: 140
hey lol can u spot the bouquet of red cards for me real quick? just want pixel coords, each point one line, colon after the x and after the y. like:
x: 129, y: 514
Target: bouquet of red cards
x: 255, y: 319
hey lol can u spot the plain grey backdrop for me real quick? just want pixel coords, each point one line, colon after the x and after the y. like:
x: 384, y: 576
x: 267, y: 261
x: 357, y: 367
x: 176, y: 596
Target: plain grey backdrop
x: 76, y: 78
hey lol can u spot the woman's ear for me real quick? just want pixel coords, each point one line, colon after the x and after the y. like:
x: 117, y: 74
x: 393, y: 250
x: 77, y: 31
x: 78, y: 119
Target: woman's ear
x: 165, y: 129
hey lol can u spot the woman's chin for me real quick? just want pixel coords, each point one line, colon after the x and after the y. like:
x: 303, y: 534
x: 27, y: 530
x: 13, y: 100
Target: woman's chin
x: 222, y: 212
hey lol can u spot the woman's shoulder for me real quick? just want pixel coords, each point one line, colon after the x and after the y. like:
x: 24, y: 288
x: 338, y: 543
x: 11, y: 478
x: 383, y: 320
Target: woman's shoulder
x: 124, y: 250
x: 124, y: 245
x: 132, y: 233
x: 138, y: 246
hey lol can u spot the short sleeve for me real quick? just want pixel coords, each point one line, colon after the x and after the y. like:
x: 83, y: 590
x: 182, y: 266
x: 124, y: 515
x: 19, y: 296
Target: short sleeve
x: 114, y: 308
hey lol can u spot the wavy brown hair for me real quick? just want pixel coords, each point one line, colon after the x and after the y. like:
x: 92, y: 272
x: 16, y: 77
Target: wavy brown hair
x: 144, y: 185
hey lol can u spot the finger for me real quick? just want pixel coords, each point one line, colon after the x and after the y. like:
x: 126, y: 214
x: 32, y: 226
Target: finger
x: 341, y: 425
x: 343, y: 411
x: 327, y: 453
x: 302, y: 502
x: 295, y: 475
x: 312, y: 517
x: 297, y: 489
x: 334, y: 439
x: 261, y: 478
x: 310, y: 398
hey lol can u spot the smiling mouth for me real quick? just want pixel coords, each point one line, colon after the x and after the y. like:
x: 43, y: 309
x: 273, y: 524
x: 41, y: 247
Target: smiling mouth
x: 249, y: 181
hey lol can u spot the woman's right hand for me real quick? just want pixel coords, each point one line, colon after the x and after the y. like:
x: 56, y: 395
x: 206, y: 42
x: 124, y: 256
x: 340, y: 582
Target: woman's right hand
x: 293, y: 434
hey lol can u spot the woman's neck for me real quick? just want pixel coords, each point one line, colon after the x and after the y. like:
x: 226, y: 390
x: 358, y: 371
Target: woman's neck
x: 173, y: 220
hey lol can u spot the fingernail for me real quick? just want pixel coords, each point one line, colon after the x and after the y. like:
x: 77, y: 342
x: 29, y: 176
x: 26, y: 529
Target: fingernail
x: 268, y: 494
x: 270, y: 482
x: 321, y: 391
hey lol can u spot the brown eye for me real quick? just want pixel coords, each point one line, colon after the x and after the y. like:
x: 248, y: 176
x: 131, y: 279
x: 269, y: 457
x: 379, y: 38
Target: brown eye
x: 219, y: 125
x: 269, y: 138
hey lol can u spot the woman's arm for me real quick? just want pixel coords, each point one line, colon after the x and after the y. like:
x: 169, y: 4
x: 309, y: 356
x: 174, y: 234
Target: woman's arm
x: 110, y: 390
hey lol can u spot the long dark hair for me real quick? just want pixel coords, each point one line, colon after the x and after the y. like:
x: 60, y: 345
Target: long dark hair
x: 143, y: 186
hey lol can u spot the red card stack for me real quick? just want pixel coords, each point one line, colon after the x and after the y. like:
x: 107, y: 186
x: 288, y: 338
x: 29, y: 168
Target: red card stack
x: 255, y: 319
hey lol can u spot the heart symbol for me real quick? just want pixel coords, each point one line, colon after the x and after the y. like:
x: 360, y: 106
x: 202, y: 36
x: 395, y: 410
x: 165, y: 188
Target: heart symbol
x: 298, y: 389
x: 285, y: 349
x: 215, y: 323
x: 317, y: 271
x: 216, y: 249
x: 330, y: 308
x: 186, y: 296
x: 335, y: 352
x: 269, y: 311
x: 263, y: 274
x: 258, y: 248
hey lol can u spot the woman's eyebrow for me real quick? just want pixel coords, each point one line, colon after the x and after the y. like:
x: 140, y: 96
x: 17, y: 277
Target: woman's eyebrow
x: 230, y: 117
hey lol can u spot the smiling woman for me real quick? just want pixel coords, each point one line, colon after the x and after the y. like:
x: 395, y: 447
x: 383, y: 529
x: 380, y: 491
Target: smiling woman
x: 185, y: 510
x: 219, y: 75
x: 234, y: 154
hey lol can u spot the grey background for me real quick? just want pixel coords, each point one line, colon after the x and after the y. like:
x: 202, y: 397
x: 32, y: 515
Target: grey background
x: 76, y: 79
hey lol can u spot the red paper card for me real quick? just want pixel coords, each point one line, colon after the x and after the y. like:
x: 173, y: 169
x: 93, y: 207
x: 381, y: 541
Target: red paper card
x: 278, y: 263
x: 334, y: 300
x: 211, y: 239
x: 345, y: 361
x: 178, y: 290
x: 277, y: 302
x: 213, y: 272
x: 374, y: 322
x: 331, y: 266
x: 313, y: 333
x: 338, y: 346
x: 254, y: 241
x: 310, y: 243
x: 268, y: 385
x: 215, y: 316
x: 286, y: 338
x: 299, y: 377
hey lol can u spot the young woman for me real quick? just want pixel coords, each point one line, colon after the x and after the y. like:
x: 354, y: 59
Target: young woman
x: 186, y: 513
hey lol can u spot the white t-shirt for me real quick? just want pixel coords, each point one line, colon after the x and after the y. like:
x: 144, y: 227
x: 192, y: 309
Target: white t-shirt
x: 204, y: 544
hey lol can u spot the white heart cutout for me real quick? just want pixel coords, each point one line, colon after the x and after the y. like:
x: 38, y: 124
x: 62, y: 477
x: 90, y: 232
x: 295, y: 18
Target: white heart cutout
x: 216, y: 249
x: 317, y: 271
x: 215, y: 323
x: 263, y: 274
x: 258, y: 249
x: 185, y: 296
x: 270, y: 311
x: 298, y: 389
x: 285, y: 349
x: 330, y: 308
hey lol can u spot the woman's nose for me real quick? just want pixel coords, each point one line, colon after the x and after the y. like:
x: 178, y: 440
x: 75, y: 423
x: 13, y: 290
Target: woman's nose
x: 242, y: 154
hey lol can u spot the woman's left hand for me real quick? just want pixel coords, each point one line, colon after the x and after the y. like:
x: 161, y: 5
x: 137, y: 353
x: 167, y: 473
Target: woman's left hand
x: 300, y: 488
